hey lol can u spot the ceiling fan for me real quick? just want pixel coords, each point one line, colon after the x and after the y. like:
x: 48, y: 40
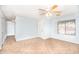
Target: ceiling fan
x: 52, y: 10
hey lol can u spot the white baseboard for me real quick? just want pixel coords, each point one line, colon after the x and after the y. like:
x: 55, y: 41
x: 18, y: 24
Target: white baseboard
x: 73, y: 40
x: 25, y: 38
x: 10, y: 35
x: 43, y: 37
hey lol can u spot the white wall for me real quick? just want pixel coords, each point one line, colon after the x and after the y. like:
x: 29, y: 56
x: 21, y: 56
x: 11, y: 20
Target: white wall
x: 26, y: 27
x: 77, y: 29
x: 44, y: 25
x: 3, y: 30
x: 10, y: 28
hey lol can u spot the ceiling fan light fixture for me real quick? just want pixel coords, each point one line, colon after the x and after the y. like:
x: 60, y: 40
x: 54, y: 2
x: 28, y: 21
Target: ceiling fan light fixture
x: 58, y: 14
x: 48, y: 14
x: 50, y: 11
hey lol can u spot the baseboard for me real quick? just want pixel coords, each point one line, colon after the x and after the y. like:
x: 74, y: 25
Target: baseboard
x: 67, y: 40
x: 43, y: 37
x: 10, y: 35
x: 25, y: 38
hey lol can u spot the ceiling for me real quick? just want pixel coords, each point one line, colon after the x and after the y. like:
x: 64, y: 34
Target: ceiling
x: 32, y: 10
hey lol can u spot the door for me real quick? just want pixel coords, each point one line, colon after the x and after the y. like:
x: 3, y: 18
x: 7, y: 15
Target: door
x: 10, y: 28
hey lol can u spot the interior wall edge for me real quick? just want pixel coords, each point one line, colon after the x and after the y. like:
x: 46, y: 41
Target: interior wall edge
x: 3, y: 40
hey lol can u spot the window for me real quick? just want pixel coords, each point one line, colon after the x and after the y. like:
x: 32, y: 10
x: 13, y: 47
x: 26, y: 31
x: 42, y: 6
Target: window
x: 67, y: 27
x: 61, y: 28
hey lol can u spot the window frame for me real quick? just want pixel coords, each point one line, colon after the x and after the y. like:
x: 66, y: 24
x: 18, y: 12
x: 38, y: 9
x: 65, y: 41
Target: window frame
x: 65, y: 22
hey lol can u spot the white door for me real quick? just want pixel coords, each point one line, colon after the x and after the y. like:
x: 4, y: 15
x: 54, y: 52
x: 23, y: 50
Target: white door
x: 10, y: 28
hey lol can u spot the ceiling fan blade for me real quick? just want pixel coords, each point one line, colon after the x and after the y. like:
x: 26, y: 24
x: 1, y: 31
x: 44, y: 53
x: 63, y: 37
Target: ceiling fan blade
x: 58, y: 14
x: 57, y: 11
x: 42, y: 9
x: 53, y: 7
x: 42, y: 13
x: 52, y: 10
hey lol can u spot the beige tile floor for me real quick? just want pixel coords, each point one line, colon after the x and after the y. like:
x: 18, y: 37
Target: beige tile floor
x: 39, y: 46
